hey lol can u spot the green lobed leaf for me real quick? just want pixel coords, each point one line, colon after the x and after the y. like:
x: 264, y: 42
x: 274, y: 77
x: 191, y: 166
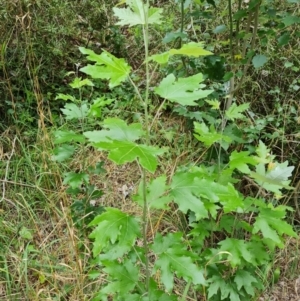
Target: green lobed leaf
x: 208, y: 136
x: 262, y: 225
x: 280, y: 171
x: 97, y: 105
x: 183, y: 91
x: 115, y: 129
x: 215, y: 104
x: 174, y: 258
x: 115, y: 233
x: 240, y: 161
x: 273, y: 179
x: 200, y: 230
x: 78, y: 83
x: 263, y: 153
x: 290, y: 20
x: 72, y: 111
x: 172, y: 36
x: 63, y: 152
x: 138, y: 13
x: 125, y: 151
x: 75, y: 179
x: 217, y: 283
x: 107, y: 67
x: 65, y: 97
x: 244, y: 279
x: 156, y: 194
x: 238, y: 250
x: 234, y: 112
x: 191, y: 49
x: 258, y: 248
x: 270, y: 223
x: 123, y: 277
x: 156, y: 294
x: 196, y: 193
x: 184, y: 188
x: 231, y: 199
x: 161, y: 58
x: 67, y: 136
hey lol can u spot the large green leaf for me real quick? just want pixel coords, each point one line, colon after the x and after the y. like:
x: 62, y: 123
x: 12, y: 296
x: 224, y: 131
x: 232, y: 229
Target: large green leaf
x: 240, y: 161
x: 270, y: 223
x: 97, y: 105
x: 138, y: 13
x: 209, y: 136
x: 78, y: 83
x: 161, y: 58
x: 183, y: 91
x: 156, y: 294
x: 107, y: 67
x: 72, y: 111
x: 238, y: 250
x: 173, y: 257
x: 63, y: 152
x: 230, y: 198
x: 75, y: 179
x: 118, y: 138
x: 217, y: 283
x: 275, y: 178
x: 123, y: 278
x: 234, y: 112
x: 125, y: 151
x: 191, y: 49
x: 192, y: 192
x: 184, y: 189
x: 290, y: 20
x: 156, y: 194
x: 244, y: 279
x: 65, y: 97
x: 257, y: 247
x: 263, y: 153
x: 67, y: 136
x: 115, y: 233
x: 116, y: 129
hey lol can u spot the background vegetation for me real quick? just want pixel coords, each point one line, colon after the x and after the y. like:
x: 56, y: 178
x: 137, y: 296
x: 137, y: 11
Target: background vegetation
x: 45, y: 244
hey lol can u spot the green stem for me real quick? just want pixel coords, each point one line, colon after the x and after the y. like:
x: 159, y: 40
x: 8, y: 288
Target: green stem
x: 146, y: 101
x: 237, y: 28
x: 182, y: 21
x: 186, y: 289
x: 231, y: 31
x: 181, y: 30
x: 145, y: 230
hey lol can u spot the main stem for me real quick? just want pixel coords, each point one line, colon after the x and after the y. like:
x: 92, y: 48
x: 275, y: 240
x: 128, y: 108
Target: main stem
x: 146, y: 101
